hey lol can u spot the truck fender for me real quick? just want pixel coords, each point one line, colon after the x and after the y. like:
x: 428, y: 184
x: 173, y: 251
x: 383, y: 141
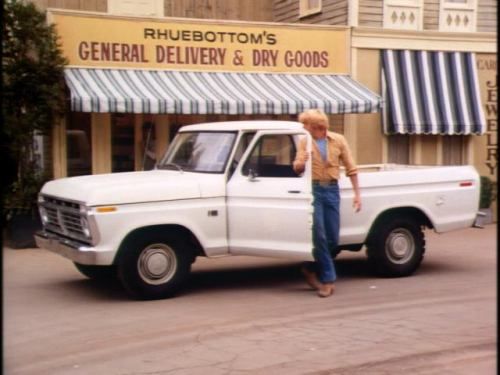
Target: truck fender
x: 414, y: 213
x: 169, y: 230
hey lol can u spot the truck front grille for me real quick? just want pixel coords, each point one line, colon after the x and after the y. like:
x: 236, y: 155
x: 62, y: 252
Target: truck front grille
x: 65, y: 218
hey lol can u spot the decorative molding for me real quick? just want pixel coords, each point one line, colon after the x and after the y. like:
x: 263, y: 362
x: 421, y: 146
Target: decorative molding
x: 403, y: 14
x: 458, y: 17
x: 372, y: 38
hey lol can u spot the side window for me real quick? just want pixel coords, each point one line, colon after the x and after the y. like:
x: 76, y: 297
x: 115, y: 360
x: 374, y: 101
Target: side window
x: 245, y: 141
x: 272, y: 156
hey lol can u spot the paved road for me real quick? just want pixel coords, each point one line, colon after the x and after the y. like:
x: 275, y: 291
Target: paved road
x: 256, y: 316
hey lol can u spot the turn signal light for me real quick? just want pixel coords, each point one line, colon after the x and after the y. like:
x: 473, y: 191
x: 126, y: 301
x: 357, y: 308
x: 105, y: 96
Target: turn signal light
x: 106, y: 209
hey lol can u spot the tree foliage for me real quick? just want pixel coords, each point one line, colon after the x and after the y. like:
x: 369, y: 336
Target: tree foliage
x: 33, y: 94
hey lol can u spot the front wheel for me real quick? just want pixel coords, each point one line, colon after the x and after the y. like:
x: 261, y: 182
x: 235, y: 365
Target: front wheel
x: 154, y: 268
x: 396, y: 248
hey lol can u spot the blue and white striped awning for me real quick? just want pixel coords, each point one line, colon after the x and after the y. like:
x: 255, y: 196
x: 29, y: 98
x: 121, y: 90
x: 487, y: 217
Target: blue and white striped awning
x: 186, y: 92
x: 431, y: 93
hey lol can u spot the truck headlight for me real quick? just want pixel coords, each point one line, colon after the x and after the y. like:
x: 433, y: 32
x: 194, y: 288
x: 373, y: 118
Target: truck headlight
x: 85, y: 227
x: 43, y: 215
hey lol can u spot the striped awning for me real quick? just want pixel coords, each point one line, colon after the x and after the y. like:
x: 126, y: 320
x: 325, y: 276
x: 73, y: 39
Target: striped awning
x: 429, y: 92
x: 186, y: 92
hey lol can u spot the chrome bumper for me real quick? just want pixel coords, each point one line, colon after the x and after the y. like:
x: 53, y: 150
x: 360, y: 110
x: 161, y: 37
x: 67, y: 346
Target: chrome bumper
x: 70, y: 249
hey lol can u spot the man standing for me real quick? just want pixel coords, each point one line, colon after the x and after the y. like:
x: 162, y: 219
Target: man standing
x: 329, y: 149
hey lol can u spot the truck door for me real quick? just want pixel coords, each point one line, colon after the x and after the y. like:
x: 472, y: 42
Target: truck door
x: 269, y: 205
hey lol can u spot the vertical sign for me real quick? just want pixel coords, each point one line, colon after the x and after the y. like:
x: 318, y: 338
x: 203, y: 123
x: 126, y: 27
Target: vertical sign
x: 487, y: 69
x: 486, y: 146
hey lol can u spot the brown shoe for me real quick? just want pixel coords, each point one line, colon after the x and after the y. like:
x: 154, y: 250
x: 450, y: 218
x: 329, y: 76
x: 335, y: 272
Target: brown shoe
x: 326, y: 290
x: 311, y: 278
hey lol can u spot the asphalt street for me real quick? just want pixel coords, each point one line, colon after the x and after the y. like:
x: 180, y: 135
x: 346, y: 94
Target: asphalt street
x: 244, y: 315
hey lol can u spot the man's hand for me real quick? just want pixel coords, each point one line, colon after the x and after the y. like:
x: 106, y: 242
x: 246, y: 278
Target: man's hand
x: 356, y: 203
x: 299, y: 165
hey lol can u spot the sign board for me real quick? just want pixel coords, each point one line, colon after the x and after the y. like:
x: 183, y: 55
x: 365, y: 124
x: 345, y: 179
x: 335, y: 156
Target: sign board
x: 94, y: 40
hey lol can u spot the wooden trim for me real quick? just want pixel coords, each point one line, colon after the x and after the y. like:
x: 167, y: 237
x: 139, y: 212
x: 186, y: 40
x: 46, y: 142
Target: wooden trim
x: 385, y: 149
x: 439, y: 151
x: 351, y: 133
x: 101, y: 142
x: 305, y: 11
x: 187, y: 20
x: 353, y: 13
x: 469, y: 151
x: 119, y: 7
x: 416, y: 150
x: 367, y: 37
x: 59, y: 154
x: 138, y: 142
x: 162, y: 128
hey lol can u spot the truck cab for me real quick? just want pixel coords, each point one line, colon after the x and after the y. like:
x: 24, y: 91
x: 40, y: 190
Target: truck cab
x: 221, y: 189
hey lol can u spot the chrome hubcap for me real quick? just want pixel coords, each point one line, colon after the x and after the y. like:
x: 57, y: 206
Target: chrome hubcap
x: 400, y: 246
x: 157, y: 264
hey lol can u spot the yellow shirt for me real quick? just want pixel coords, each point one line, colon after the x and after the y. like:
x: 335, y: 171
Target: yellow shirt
x: 337, y: 152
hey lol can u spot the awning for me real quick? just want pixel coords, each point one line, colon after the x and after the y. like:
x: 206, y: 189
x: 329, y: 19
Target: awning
x: 186, y: 92
x: 431, y: 93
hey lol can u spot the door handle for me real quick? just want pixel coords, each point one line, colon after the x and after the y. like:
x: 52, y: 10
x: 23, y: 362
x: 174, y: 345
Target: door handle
x: 294, y: 191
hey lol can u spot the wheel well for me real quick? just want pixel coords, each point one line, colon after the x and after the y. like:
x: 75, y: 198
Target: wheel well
x: 172, y: 230
x: 410, y: 212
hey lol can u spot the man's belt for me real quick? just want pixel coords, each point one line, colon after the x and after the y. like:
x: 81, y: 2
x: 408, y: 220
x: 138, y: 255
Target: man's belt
x: 324, y: 182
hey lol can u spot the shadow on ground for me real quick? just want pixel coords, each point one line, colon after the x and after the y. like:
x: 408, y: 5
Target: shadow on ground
x: 239, y: 277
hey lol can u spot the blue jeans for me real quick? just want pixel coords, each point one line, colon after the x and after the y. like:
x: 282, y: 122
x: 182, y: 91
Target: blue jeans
x: 326, y: 226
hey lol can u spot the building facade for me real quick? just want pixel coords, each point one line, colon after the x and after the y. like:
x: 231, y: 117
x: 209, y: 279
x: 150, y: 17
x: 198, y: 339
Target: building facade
x: 363, y: 40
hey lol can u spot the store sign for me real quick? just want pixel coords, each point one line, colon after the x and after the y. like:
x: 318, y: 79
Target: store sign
x: 104, y: 41
x: 487, y: 69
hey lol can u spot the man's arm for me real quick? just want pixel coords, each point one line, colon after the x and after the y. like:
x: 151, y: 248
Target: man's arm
x: 356, y: 202
x: 299, y: 164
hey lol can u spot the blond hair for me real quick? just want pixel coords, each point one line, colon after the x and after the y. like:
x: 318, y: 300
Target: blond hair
x: 314, y: 117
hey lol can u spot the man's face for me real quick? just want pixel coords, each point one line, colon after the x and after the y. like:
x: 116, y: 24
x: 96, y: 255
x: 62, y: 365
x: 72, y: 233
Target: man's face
x: 317, y: 131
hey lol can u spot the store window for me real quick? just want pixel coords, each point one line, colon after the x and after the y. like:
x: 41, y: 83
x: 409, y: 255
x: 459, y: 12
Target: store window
x: 399, y: 149
x: 453, y: 149
x: 78, y: 144
x: 122, y: 143
x: 309, y: 7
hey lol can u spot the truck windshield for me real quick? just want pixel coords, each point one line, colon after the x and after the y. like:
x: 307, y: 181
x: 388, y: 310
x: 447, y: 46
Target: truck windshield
x: 199, y: 152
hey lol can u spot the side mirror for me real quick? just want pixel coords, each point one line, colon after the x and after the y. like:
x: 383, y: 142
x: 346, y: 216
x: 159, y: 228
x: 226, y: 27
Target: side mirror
x: 252, y: 175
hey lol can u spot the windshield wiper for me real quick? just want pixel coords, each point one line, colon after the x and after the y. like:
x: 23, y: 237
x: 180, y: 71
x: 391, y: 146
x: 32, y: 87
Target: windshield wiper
x: 170, y: 165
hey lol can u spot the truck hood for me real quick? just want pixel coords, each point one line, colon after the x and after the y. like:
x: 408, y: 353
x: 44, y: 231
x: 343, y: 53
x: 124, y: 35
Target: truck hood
x: 135, y: 187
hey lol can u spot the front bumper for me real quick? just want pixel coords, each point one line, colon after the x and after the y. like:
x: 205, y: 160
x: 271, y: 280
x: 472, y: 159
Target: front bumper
x: 73, y: 250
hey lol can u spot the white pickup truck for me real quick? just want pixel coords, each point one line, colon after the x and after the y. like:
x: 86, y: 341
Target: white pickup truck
x: 228, y: 188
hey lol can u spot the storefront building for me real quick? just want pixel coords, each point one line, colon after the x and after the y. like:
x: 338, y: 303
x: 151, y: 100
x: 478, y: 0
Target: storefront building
x: 131, y: 87
x: 287, y: 59
x: 452, y: 41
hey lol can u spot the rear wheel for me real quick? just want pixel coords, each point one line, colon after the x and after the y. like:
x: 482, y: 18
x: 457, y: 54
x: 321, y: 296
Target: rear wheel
x: 154, y: 267
x: 396, y: 247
